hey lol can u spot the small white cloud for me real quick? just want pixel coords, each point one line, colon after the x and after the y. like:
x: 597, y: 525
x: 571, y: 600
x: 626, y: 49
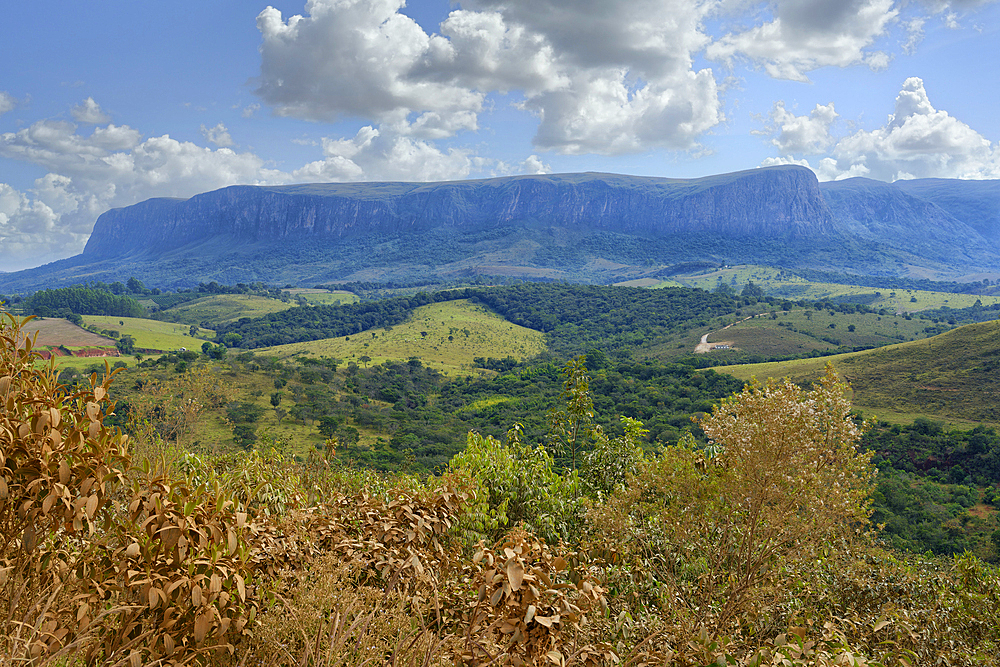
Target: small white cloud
x: 534, y: 165
x: 7, y: 102
x: 250, y: 110
x: 89, y: 113
x: 915, y: 31
x: 802, y: 134
x: 217, y: 135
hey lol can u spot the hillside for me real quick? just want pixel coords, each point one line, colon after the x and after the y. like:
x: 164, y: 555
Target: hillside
x: 951, y: 376
x: 583, y: 227
x: 445, y: 336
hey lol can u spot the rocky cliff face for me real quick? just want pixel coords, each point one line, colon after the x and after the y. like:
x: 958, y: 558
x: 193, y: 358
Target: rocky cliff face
x: 582, y: 227
x: 895, y: 213
x: 775, y: 202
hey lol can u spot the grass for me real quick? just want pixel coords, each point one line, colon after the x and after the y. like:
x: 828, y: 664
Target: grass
x: 473, y: 332
x: 779, y: 284
x: 322, y: 297
x: 151, y: 334
x: 953, y: 376
x: 224, y: 308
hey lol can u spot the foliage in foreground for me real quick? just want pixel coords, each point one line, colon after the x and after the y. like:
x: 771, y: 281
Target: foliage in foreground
x: 752, y: 551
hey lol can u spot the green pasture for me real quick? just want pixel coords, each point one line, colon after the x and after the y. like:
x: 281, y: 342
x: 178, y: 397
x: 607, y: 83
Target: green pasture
x: 954, y: 376
x: 322, y: 297
x: 780, y: 284
x: 445, y: 335
x: 224, y: 308
x: 151, y: 334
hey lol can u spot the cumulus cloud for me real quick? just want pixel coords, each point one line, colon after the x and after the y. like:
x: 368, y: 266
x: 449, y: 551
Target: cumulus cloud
x: 534, y: 165
x: 89, y: 113
x: 917, y: 141
x: 218, y: 135
x: 374, y: 154
x: 805, y: 35
x: 612, y: 77
x: 111, y: 166
x: 802, y: 134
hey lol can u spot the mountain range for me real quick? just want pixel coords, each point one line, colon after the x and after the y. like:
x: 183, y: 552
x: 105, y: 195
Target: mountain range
x: 584, y: 227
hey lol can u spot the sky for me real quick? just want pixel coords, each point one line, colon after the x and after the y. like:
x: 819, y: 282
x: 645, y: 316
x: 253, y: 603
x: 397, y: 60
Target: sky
x: 103, y: 105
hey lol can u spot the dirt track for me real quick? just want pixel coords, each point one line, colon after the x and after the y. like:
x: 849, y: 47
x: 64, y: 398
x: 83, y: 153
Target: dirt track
x: 704, y: 346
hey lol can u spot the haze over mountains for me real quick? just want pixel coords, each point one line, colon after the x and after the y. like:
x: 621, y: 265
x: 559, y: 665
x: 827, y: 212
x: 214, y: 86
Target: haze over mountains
x: 590, y: 227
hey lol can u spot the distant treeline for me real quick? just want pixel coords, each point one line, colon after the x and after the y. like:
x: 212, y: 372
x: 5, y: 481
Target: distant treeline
x: 975, y: 313
x: 81, y: 301
x: 307, y: 323
x: 894, y: 282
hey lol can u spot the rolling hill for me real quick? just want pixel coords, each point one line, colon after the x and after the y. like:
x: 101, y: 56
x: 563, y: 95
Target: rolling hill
x: 953, y: 376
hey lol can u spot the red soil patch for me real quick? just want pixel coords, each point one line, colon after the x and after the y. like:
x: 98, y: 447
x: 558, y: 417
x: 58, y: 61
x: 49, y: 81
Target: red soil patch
x: 53, y: 332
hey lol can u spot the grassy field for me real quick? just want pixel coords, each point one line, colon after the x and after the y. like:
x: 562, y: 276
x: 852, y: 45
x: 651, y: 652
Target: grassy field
x: 446, y: 336
x: 777, y: 283
x: 322, y: 297
x: 224, y: 308
x: 800, y: 331
x: 151, y: 334
x: 954, y: 376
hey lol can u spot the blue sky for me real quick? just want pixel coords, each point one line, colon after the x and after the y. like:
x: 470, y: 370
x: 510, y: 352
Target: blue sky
x: 105, y: 105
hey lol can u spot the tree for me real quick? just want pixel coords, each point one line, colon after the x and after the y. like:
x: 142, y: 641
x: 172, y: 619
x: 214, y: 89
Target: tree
x: 135, y: 286
x: 570, y: 427
x: 126, y: 344
x: 781, y: 478
x: 364, y: 359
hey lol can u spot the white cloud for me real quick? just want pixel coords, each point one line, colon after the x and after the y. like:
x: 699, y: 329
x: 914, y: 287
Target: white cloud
x: 805, y: 35
x: 218, y: 135
x: 534, y: 165
x: 89, y: 113
x: 354, y: 58
x: 917, y: 141
x: 250, y: 110
x: 611, y: 77
x: 7, y: 102
x: 88, y: 174
x: 802, y: 134
x: 380, y: 155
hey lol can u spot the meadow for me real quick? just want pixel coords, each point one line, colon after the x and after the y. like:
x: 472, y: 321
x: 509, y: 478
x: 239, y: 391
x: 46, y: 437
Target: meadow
x: 222, y: 308
x: 952, y: 377
x: 152, y: 334
x: 779, y: 284
x: 322, y: 297
x: 446, y: 336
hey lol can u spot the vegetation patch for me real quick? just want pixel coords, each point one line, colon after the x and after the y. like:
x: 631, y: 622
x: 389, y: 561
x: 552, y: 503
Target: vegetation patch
x: 950, y: 376
x: 151, y: 335
x: 447, y: 336
x: 223, y: 308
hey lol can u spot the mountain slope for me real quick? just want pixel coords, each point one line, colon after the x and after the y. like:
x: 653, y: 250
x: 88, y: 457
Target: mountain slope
x: 583, y: 227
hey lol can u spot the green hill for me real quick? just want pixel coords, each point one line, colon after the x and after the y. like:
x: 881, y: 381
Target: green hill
x: 446, y: 336
x: 224, y: 308
x: 151, y: 334
x: 953, y: 376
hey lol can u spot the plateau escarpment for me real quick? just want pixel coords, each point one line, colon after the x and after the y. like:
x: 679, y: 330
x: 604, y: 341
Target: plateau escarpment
x: 584, y: 227
x: 774, y: 202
